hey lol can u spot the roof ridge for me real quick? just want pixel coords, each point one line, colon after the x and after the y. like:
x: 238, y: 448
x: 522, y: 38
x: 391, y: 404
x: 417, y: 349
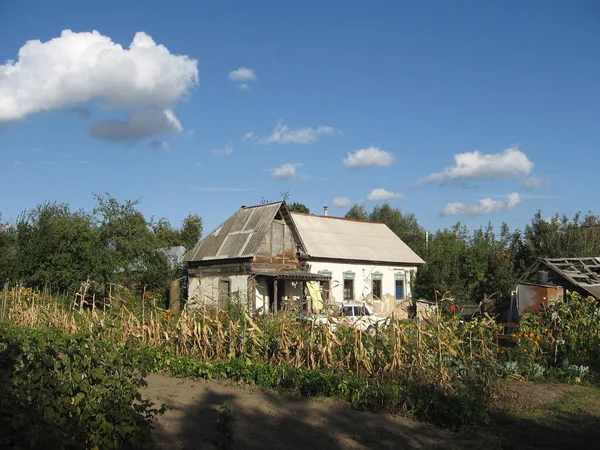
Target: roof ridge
x: 337, y: 218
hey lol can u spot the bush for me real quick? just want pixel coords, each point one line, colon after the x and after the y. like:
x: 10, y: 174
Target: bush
x: 70, y: 392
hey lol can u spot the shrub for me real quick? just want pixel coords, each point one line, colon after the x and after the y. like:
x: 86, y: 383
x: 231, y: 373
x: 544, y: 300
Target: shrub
x: 70, y: 392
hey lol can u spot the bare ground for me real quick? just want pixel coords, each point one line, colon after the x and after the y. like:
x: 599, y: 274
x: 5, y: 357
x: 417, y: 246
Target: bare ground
x: 525, y: 416
x: 265, y: 419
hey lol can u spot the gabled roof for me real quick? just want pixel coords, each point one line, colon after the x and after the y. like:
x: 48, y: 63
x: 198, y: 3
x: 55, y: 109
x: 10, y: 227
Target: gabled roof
x: 239, y: 236
x: 344, y: 239
x: 583, y: 273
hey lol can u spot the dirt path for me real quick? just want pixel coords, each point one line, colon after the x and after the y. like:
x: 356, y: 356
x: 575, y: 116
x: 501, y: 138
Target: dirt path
x: 268, y: 420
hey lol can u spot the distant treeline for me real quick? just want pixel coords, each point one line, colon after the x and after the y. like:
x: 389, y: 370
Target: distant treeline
x: 54, y: 247
x: 471, y: 264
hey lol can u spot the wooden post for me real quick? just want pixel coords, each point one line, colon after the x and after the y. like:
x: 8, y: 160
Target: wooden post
x: 174, y: 296
x: 308, y: 298
x: 275, y: 295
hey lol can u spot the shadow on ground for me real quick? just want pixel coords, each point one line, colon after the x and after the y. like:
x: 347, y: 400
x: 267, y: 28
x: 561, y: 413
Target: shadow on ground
x: 268, y: 420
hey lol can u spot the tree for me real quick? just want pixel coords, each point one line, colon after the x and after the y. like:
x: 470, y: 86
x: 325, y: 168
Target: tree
x: 56, y: 247
x: 165, y: 234
x: 126, y: 243
x: 8, y: 252
x: 298, y: 208
x: 191, y: 231
x: 357, y: 212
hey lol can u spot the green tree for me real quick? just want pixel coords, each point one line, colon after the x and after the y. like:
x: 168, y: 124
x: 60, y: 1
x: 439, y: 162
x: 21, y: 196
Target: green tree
x: 357, y: 212
x: 191, y: 231
x: 298, y: 208
x: 8, y: 252
x: 126, y: 242
x: 56, y: 247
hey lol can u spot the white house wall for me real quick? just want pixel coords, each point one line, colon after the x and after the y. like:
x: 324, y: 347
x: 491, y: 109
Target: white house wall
x: 363, y: 279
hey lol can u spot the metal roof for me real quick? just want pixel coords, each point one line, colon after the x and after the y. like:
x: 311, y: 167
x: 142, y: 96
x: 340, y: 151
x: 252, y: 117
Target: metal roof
x: 239, y: 236
x: 343, y: 239
x: 583, y: 273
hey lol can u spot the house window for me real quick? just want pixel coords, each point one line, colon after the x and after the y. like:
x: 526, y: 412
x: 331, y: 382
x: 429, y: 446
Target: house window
x: 399, y: 289
x: 348, y: 289
x: 376, y: 284
x: 325, y: 286
x: 376, y: 289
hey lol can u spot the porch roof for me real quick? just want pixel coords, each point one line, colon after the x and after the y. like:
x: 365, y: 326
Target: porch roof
x: 295, y: 275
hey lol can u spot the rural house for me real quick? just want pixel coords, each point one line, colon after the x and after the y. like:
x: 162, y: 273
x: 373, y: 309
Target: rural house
x: 267, y: 257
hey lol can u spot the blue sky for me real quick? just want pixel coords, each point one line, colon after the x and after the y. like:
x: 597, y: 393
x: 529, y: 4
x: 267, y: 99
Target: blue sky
x: 470, y: 111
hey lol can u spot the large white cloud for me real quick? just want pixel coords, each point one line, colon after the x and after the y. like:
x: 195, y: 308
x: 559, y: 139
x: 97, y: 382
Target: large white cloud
x: 483, y: 206
x: 371, y: 156
x: 382, y: 194
x: 282, y: 134
x: 511, y: 163
x: 145, y: 81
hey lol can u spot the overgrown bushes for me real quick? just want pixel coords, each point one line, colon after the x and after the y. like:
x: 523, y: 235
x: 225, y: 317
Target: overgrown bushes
x: 70, y: 391
x: 561, y: 341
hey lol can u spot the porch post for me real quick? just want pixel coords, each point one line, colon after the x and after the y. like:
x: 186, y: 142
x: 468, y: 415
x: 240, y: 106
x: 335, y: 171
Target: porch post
x: 275, y: 295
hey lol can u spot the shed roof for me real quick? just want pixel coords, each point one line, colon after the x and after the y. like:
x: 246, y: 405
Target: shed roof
x: 583, y: 273
x: 239, y: 236
x: 343, y: 239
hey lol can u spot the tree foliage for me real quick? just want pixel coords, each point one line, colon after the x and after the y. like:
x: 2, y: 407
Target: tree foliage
x: 53, y: 246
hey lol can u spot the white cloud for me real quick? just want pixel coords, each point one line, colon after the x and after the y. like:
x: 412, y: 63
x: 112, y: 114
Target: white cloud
x: 483, y: 206
x: 286, y: 171
x: 511, y: 163
x: 533, y: 183
x: 249, y: 135
x: 382, y: 194
x: 145, y: 81
x: 227, y: 150
x: 243, y: 87
x: 159, y: 145
x: 341, y: 202
x: 282, y: 134
x: 371, y: 156
x: 242, y: 74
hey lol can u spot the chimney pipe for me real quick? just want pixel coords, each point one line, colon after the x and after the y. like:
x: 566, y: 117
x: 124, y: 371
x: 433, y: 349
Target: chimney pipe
x: 325, y: 208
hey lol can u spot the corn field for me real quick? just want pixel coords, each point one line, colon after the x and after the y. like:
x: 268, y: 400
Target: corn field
x: 436, y: 352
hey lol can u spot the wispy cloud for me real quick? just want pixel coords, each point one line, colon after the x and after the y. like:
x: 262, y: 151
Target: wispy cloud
x: 249, y: 135
x: 287, y: 171
x: 533, y: 183
x: 484, y: 206
x: 227, y: 150
x: 511, y: 163
x: 159, y: 145
x: 283, y: 134
x: 382, y: 194
x: 341, y: 202
x: 242, y: 74
x: 222, y: 189
x: 370, y: 156
x: 243, y: 87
